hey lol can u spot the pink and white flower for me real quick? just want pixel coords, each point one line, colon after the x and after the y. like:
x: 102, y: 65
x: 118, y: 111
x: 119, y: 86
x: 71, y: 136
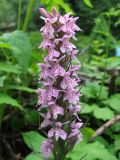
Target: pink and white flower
x: 58, y: 99
x: 57, y: 132
x: 46, y: 148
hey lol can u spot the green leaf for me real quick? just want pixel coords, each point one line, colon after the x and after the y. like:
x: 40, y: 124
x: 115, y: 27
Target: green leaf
x: 31, y: 116
x: 88, y: 91
x: 21, y: 88
x: 2, y: 79
x: 117, y: 145
x: 117, y: 142
x: 114, y: 102
x: 101, y: 92
x: 113, y: 63
x: 57, y: 4
x: 33, y: 156
x: 87, y: 133
x: 86, y: 109
x: 103, y: 113
x: 8, y: 67
x: 33, y: 140
x: 20, y: 40
x: 94, y: 90
x: 5, y: 45
x: 88, y: 3
x: 6, y: 99
x: 93, y: 151
x: 115, y: 127
x: 8, y: 46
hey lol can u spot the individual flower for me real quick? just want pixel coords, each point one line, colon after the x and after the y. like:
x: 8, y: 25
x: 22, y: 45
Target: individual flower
x: 68, y: 82
x: 52, y: 53
x: 46, y: 148
x: 74, y: 109
x: 47, y: 43
x: 47, y: 120
x: 45, y: 71
x: 72, y: 96
x: 48, y: 30
x: 75, y: 130
x: 56, y: 110
x: 42, y: 97
x: 57, y: 70
x: 57, y: 132
x: 52, y: 92
x: 66, y: 46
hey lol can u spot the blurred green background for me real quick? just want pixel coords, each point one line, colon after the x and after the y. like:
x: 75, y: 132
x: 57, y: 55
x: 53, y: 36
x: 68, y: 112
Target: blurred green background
x: 99, y: 55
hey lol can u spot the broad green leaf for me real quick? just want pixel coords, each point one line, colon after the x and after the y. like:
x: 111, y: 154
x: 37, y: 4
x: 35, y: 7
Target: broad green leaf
x: 21, y: 41
x: 101, y: 92
x: 8, y: 67
x: 8, y: 46
x: 33, y: 156
x: 93, y: 151
x: 5, y: 45
x: 87, y: 133
x: 33, y: 140
x: 103, y: 113
x: 114, y: 102
x: 88, y: 91
x: 102, y: 140
x: 88, y: 3
x: 94, y: 90
x: 57, y: 5
x: 21, y: 88
x: 6, y: 99
x: 65, y: 6
x: 86, y: 109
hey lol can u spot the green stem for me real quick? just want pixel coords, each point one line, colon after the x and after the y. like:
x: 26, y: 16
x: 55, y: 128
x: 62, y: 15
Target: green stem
x: 28, y: 14
x: 102, y: 83
x: 55, y: 149
x: 19, y: 14
x: 107, y: 53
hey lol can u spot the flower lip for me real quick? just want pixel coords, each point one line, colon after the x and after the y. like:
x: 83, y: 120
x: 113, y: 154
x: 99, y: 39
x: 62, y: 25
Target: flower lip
x: 58, y: 124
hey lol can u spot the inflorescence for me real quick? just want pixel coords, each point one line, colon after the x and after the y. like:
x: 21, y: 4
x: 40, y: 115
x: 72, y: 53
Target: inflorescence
x: 58, y: 99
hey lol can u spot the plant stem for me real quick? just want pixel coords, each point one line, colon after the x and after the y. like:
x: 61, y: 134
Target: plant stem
x: 107, y: 51
x: 28, y: 14
x: 19, y: 14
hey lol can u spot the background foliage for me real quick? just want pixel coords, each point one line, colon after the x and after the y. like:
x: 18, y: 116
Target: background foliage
x: 99, y: 51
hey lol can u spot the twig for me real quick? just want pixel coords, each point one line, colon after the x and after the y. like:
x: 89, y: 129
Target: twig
x: 108, y: 124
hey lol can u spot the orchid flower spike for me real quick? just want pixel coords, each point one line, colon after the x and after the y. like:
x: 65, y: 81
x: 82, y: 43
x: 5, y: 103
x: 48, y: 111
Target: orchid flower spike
x: 58, y: 98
